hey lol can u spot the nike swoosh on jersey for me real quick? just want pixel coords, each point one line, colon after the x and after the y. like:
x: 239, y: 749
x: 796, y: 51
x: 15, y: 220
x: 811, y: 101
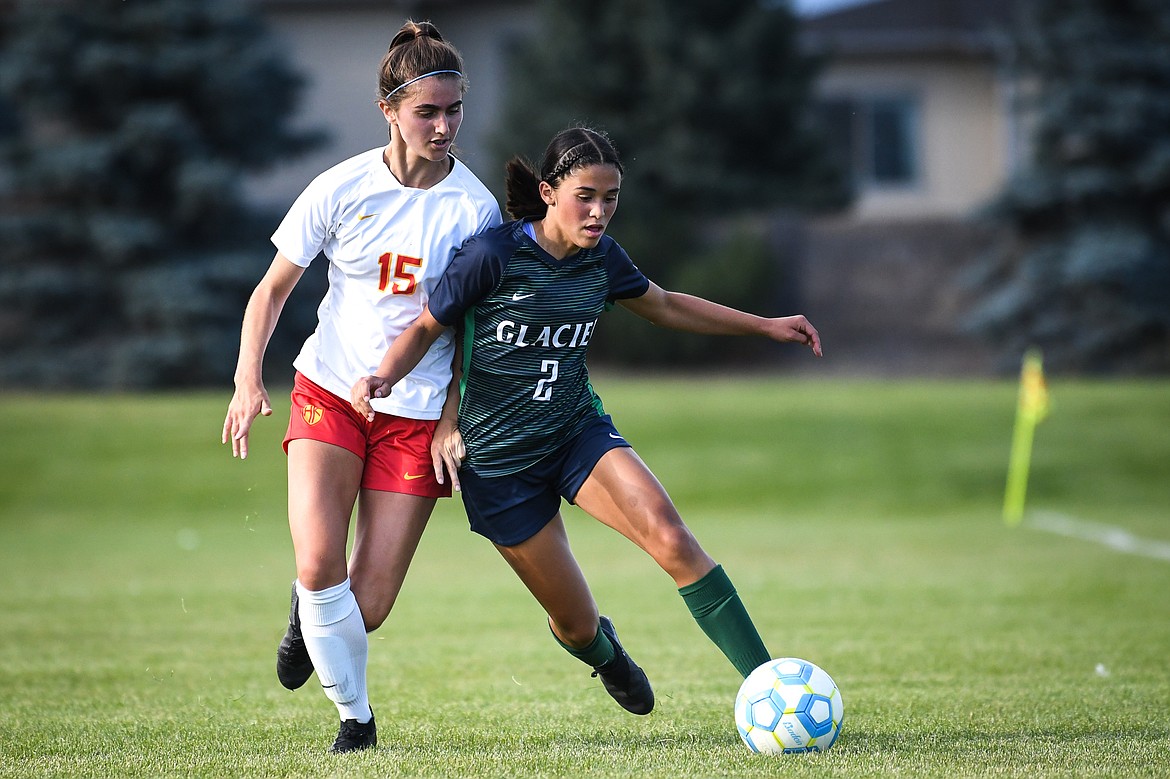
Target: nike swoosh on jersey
x: 518, y: 296
x: 413, y: 476
x: 365, y: 216
x: 618, y: 437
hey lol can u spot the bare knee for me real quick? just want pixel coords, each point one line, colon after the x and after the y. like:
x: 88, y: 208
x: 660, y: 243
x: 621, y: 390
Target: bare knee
x: 317, y: 574
x: 676, y: 550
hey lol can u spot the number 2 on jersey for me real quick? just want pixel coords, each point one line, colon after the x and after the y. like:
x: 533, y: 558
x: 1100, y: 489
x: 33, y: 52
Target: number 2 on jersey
x: 403, y: 269
x: 544, y: 386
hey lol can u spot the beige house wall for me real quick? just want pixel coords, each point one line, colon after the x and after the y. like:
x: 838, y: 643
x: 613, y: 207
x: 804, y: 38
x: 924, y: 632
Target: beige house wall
x: 963, y: 136
x: 963, y: 147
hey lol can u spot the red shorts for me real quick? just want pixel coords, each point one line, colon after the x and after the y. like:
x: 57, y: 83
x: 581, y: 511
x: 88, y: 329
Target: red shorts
x: 396, y: 450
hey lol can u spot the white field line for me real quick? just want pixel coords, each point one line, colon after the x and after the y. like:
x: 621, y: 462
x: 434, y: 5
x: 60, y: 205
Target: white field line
x: 1110, y: 536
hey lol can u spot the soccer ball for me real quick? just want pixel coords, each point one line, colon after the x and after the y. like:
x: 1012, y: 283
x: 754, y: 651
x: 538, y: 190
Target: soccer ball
x: 788, y: 705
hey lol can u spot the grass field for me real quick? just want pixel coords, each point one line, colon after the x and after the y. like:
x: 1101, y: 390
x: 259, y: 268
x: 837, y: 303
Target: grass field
x: 144, y: 580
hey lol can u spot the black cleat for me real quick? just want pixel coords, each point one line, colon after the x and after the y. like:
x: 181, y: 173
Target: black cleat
x: 353, y: 736
x: 623, y: 679
x: 293, y: 664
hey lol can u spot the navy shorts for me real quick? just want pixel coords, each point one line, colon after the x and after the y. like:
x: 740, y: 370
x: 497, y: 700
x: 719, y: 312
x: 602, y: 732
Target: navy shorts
x: 510, y: 509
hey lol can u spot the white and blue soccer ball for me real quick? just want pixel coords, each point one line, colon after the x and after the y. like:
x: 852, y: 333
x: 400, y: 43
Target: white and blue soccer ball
x: 789, y: 705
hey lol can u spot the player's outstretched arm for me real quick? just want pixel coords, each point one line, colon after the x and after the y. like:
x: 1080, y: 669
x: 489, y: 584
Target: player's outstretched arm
x: 404, y: 353
x: 250, y: 398
x: 693, y: 314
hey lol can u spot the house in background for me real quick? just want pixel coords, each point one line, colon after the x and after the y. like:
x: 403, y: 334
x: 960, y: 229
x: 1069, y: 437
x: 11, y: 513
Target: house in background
x: 920, y: 108
x: 922, y: 112
x: 919, y: 103
x: 914, y: 90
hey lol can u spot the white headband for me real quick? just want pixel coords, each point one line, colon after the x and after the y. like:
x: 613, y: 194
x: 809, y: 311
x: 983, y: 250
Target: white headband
x: 420, y: 78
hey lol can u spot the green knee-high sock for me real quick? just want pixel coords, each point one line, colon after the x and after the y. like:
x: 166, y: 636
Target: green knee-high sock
x: 716, y: 606
x: 599, y: 651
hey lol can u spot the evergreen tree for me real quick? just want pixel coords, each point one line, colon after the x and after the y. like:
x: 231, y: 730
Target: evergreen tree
x: 1086, y: 272
x: 709, y: 105
x: 127, y: 248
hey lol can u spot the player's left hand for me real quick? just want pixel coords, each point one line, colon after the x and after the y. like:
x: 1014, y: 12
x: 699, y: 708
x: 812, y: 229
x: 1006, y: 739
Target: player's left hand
x: 365, y: 388
x: 447, y: 452
x: 797, y: 329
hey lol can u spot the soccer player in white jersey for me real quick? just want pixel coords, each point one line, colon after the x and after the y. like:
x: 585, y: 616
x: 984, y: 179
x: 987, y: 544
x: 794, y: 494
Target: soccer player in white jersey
x: 388, y: 221
x: 529, y: 294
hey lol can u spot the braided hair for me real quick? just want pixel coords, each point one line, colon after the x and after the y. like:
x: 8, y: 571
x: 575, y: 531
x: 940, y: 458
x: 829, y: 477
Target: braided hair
x: 568, y: 151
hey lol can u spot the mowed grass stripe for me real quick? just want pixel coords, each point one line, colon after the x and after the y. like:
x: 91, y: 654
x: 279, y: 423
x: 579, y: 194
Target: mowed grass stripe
x: 145, y: 578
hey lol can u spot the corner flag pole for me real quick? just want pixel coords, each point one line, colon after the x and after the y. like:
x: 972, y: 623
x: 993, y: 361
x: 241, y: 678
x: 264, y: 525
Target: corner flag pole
x: 1031, y: 408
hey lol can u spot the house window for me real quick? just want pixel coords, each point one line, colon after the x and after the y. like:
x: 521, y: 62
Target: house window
x: 891, y: 141
x: 9, y: 121
x: 874, y: 137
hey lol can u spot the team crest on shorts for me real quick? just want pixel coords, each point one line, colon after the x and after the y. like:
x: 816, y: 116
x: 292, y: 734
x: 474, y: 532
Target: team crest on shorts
x: 311, y: 414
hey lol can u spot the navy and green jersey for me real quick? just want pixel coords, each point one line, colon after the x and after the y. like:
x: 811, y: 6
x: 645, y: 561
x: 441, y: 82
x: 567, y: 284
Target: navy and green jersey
x: 528, y: 320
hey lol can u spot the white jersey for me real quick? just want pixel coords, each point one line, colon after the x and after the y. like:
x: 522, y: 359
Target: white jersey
x: 387, y: 245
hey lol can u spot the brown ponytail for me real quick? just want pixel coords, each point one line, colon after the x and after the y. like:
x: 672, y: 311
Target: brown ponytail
x: 522, y: 188
x: 418, y: 48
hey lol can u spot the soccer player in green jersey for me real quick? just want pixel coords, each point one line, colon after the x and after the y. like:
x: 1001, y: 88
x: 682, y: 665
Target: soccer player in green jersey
x: 527, y: 296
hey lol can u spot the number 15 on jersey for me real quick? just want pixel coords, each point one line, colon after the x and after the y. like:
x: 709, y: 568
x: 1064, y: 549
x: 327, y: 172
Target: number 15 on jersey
x: 398, y: 273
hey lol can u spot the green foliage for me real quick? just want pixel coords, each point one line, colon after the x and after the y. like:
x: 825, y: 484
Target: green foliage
x: 744, y: 266
x: 1086, y: 274
x: 709, y: 105
x: 129, y: 249
x: 144, y: 595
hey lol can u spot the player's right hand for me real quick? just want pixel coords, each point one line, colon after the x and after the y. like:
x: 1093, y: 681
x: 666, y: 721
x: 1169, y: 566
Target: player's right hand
x: 247, y: 403
x: 365, y: 388
x: 447, y: 453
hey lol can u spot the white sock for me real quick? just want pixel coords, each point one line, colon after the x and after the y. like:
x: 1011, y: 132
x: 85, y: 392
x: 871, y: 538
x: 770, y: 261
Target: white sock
x: 335, y: 635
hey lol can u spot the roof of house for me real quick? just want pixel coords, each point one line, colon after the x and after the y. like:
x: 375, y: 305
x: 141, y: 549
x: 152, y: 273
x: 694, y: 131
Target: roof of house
x: 420, y: 7
x: 883, y: 27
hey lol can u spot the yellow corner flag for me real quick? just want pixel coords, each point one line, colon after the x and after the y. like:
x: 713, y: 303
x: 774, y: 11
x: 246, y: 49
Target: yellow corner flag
x: 1031, y: 408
